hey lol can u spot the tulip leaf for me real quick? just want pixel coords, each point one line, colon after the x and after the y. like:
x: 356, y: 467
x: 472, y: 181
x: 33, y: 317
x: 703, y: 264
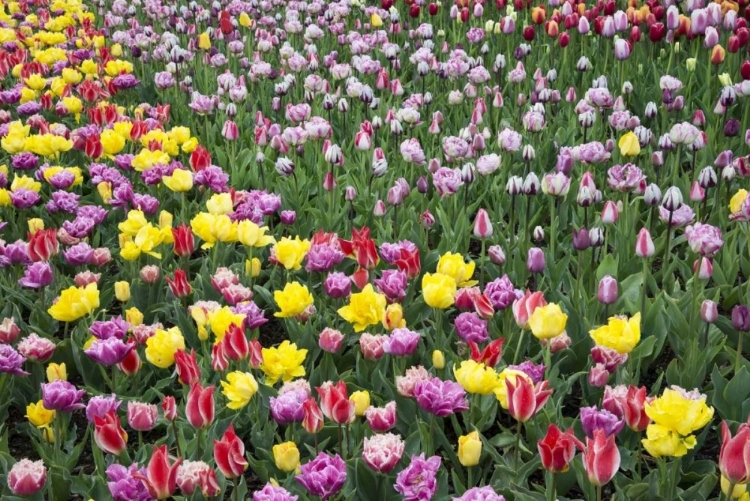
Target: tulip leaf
x: 608, y: 266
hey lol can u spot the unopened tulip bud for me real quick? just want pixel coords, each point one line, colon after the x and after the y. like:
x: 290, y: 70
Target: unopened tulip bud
x: 482, y: 225
x: 535, y: 262
x: 496, y: 254
x: 379, y: 209
x: 514, y: 186
x: 529, y: 154
x: 596, y: 235
x: 652, y: 195
x: 122, y: 291
x: 657, y: 158
x: 709, y: 311
x: 538, y: 234
x: 697, y: 194
x: 558, y: 343
x: 427, y: 219
x: 607, y: 293
x: 728, y: 173
x: 644, y: 245
x: 438, y: 359
x: 672, y: 199
x: 531, y: 184
x: 706, y: 268
x: 581, y: 240
x: 423, y: 185
x: 610, y: 212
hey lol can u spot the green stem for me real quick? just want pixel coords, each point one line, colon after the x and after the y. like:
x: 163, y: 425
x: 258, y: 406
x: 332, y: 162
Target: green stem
x: 518, y: 347
x: 235, y: 489
x: 552, y: 487
x: 644, y: 288
x: 738, y: 358
x: 553, y: 228
x: 598, y: 493
x: 517, y: 448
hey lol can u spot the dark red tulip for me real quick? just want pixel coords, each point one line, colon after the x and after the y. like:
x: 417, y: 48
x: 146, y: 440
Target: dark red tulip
x: 528, y: 33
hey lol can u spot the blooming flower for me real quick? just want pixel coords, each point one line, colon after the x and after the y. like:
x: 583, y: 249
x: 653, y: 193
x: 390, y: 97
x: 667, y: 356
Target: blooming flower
x: 283, y: 362
x: 324, y: 476
x: 364, y: 309
x: 418, y: 481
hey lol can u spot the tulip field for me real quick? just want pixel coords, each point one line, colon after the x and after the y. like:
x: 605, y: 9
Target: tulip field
x: 292, y: 250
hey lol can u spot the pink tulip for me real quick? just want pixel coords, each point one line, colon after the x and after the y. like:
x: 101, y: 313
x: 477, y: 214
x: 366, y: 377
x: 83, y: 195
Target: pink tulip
x: 601, y: 459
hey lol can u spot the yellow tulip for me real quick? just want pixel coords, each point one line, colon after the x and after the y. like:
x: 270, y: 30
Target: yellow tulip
x: 393, y: 317
x: 112, y: 142
x: 662, y: 441
x: 220, y: 203
x: 204, y: 41
x: 620, y: 333
x: 74, y: 303
x: 629, y: 145
x: 251, y: 235
x: 293, y: 300
x: 283, y: 362
x: 180, y: 181
x: 286, y: 456
x: 162, y: 346
x: 291, y: 252
x: 35, y: 224
x: 134, y: 316
x: 365, y: 308
x: 56, y: 372
x: 122, y: 291
x: 439, y: 290
x: 454, y: 266
x: 547, y: 321
x: 681, y: 411
x: 252, y: 268
x: 239, y: 388
x: 469, y: 449
x: 438, y: 359
x: 361, y: 401
x: 220, y: 319
x: 245, y: 20
x: 375, y: 20
x: 735, y: 204
x: 476, y: 377
x: 38, y: 415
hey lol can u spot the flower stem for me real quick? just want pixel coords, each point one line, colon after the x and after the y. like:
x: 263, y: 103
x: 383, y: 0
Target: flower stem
x: 738, y: 358
x: 517, y: 449
x: 552, y: 487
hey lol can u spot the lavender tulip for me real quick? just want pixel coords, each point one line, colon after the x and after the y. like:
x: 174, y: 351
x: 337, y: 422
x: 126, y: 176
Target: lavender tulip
x: 62, y: 396
x: 324, y: 476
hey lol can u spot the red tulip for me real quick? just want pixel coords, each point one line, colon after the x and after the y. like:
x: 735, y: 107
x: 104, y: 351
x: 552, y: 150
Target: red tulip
x: 235, y: 343
x: 483, y: 306
x: 564, y: 40
x: 199, y: 408
x: 256, y: 354
x: 188, y: 371
x: 414, y: 10
x: 229, y: 453
x: 601, y: 459
x: 361, y: 247
x: 109, y: 435
x: 334, y: 402
x: 432, y: 9
x: 734, y: 457
x: 184, y: 241
x: 409, y: 262
x: 557, y: 449
x: 524, y: 398
x: 169, y: 407
x: 528, y: 33
x: 313, y: 421
x: 43, y: 245
x: 745, y: 70
x: 161, y: 476
x: 491, y: 354
x: 200, y: 158
x: 131, y: 364
x: 179, y: 285
x: 219, y: 360
x: 630, y: 405
x: 93, y: 147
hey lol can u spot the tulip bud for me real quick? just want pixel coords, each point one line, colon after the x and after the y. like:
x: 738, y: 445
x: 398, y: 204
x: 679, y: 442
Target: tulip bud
x: 697, y: 194
x: 706, y: 268
x: 538, y: 234
x: 438, y: 359
x: 672, y: 199
x: 709, y: 311
x: 741, y: 318
x: 607, y: 292
x: 122, y: 291
x: 469, y: 449
x: 169, y: 407
x: 596, y: 236
x: 609, y: 213
x: 351, y: 193
x: 482, y: 225
x: 379, y: 209
x: 361, y: 401
x: 427, y: 219
x: 514, y: 185
x: 598, y: 376
x: 496, y: 255
x: 652, y: 195
x: 728, y: 173
x: 644, y: 245
x: 535, y: 261
x: 581, y: 240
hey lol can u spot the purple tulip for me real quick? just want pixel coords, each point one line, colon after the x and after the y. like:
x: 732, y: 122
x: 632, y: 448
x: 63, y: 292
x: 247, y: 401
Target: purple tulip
x: 741, y: 318
x: 393, y: 284
x: 254, y: 316
x: 11, y: 362
x: 114, y: 327
x: 625, y: 177
x: 289, y: 407
x: 534, y: 371
x: 288, y: 217
x: 323, y: 257
x: 709, y: 311
x: 324, y: 476
x: 593, y: 419
x: 581, y: 239
x: 471, y: 328
x: 25, y: 161
x: 62, y: 396
x: 704, y: 239
x: 418, y: 481
x: 439, y: 397
x: 37, y: 275
x: 401, y: 342
x: 99, y: 406
x: 680, y: 217
x: 502, y: 293
x: 535, y: 262
x: 23, y: 198
x: 337, y: 285
x: 486, y: 493
x: 123, y: 486
x: 79, y: 254
x: 272, y: 493
x: 607, y: 292
x: 109, y: 351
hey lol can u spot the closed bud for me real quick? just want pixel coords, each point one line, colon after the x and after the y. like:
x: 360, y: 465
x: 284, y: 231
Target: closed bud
x: 122, y: 291
x: 610, y: 212
x: 535, y: 262
x: 529, y: 154
x: 423, y: 185
x: 427, y: 219
x: 672, y: 199
x: 514, y: 185
x: 657, y: 159
x: 467, y: 173
x: 482, y: 225
x: 496, y: 254
x: 709, y: 311
x: 644, y: 245
x: 707, y: 178
x: 704, y: 267
x: 652, y: 195
x: 651, y: 110
x: 728, y: 173
x: 585, y: 196
x: 697, y: 194
x: 538, y: 234
x: 581, y: 240
x: 607, y: 292
x: 379, y: 209
x: 438, y: 359
x: 596, y: 236
x: 351, y: 193
x: 531, y: 184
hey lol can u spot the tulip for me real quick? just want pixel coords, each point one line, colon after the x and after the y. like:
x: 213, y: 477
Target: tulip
x: 381, y: 419
x: 734, y: 456
x: 161, y: 476
x: 601, y: 458
x: 630, y: 404
x: 383, y: 452
x: 557, y: 449
x: 482, y: 225
x: 313, y: 420
x: 169, y: 407
x: 709, y: 311
x: 469, y: 449
x: 179, y: 285
x: 535, y: 261
x: 607, y: 292
x: 523, y: 308
x: 27, y: 477
x: 109, y: 435
x: 335, y: 403
x: 188, y: 370
x: 438, y: 359
x: 229, y: 453
x: 141, y: 416
x: 524, y: 398
x: 286, y: 456
x: 199, y: 408
x: 644, y: 246
x: 361, y: 400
